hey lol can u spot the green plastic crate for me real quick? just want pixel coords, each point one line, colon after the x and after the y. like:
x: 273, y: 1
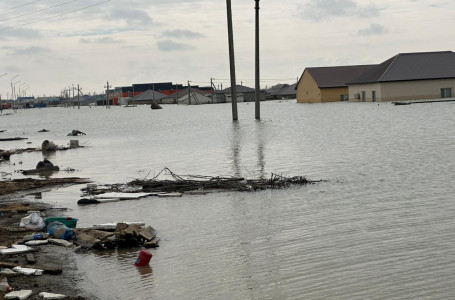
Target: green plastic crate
x: 68, y: 221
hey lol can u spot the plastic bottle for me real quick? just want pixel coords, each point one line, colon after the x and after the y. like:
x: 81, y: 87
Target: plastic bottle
x: 4, y: 286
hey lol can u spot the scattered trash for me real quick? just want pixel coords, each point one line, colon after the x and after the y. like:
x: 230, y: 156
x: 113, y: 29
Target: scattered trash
x: 68, y: 221
x: 43, y: 130
x: 48, y: 146
x: 28, y: 271
x: 5, y: 155
x: 4, y: 286
x: 21, y: 295
x: 51, y: 296
x: 36, y: 243
x: 15, y: 249
x: 59, y: 230
x: 32, y: 222
x: 143, y: 258
x: 123, y: 196
x: 76, y: 133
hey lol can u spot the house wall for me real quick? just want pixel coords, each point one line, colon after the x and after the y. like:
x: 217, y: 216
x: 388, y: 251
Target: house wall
x: 333, y: 94
x: 308, y: 90
x: 415, y: 90
x: 355, y: 92
x: 402, y: 90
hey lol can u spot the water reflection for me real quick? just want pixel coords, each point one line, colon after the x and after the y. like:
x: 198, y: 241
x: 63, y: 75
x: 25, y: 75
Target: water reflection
x: 260, y: 128
x: 235, y: 147
x: 145, y: 271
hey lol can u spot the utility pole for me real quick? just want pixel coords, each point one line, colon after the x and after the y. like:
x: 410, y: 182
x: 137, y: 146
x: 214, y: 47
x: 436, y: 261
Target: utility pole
x: 258, y: 87
x: 189, y: 93
x: 231, y: 61
x: 78, y: 99
x: 107, y: 94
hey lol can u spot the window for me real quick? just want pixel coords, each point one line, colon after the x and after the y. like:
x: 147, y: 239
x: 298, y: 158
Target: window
x: 344, y: 97
x: 446, y: 92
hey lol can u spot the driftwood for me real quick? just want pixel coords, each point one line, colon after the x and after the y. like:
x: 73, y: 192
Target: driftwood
x: 187, y: 183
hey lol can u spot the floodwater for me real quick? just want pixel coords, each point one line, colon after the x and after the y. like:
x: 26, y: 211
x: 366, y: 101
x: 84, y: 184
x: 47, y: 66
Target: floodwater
x: 382, y: 225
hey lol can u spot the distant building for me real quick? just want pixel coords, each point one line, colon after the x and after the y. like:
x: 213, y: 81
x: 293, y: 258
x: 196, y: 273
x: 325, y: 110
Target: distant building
x: 244, y: 94
x: 282, y: 91
x: 327, y: 84
x: 407, y: 76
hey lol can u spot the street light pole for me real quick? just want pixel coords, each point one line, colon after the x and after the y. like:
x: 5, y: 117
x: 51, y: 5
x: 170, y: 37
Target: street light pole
x: 12, y: 87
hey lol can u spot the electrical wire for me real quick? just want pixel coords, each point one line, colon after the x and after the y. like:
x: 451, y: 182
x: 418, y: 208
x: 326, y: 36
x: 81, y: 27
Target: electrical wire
x: 18, y: 6
x: 37, y: 11
x: 59, y: 15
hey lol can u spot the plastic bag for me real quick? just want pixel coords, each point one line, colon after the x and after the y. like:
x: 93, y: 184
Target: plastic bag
x: 33, y: 222
x: 60, y: 231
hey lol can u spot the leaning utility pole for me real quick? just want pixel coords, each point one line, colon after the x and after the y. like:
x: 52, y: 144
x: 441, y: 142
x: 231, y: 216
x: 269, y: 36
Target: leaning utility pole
x: 231, y: 61
x: 258, y: 87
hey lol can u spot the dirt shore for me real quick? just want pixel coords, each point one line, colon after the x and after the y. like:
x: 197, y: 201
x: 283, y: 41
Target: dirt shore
x: 61, y: 275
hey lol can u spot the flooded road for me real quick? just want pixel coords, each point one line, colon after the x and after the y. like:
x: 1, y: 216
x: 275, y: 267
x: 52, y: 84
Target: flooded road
x: 381, y: 227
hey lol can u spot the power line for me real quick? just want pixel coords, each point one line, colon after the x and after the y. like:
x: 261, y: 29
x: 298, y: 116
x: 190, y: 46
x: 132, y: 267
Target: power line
x: 59, y: 15
x: 18, y: 6
x: 37, y: 11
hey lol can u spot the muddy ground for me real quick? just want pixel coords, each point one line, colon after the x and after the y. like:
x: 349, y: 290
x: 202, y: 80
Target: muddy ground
x: 50, y: 257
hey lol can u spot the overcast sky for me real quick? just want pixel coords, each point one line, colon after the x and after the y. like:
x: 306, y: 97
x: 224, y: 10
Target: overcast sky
x: 53, y: 44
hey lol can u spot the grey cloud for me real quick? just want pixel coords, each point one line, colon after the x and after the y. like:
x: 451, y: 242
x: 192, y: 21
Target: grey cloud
x: 168, y: 45
x: 27, y: 51
x: 104, y: 40
x: 322, y: 9
x: 19, y: 33
x: 132, y: 17
x: 374, y: 29
x: 179, y: 33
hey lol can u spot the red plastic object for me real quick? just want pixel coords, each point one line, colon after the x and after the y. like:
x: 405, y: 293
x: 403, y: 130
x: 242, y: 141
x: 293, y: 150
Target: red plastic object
x: 143, y: 258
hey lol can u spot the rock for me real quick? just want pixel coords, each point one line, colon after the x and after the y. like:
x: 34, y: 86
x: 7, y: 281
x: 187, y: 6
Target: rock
x: 30, y: 258
x: 51, y: 296
x: 36, y: 243
x: 148, y: 233
x: 61, y: 242
x: 132, y: 230
x: 153, y: 243
x: 28, y: 271
x: 85, y: 240
x: 48, y: 146
x: 21, y: 295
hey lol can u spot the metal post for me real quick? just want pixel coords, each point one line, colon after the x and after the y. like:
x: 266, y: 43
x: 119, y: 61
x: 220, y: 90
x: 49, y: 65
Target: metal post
x: 78, y: 99
x: 189, y: 93
x: 258, y: 87
x: 231, y: 61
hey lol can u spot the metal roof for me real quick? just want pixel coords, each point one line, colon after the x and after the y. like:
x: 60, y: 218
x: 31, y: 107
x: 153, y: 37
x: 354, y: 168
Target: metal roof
x: 330, y: 77
x: 411, y: 66
x: 239, y: 89
x: 148, y: 95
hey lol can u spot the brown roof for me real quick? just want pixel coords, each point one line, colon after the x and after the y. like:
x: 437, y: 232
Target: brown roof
x: 330, y: 77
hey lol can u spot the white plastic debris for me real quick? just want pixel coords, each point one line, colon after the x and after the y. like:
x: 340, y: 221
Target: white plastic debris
x: 28, y: 271
x: 51, y: 296
x: 21, y: 295
x: 123, y: 196
x: 16, y: 249
x: 32, y: 222
x: 7, y: 272
x: 36, y: 243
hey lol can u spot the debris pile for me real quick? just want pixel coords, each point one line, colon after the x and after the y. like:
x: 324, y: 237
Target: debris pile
x: 186, y: 183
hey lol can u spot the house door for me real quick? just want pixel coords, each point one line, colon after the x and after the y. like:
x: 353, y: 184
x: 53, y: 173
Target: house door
x: 373, y: 96
x: 446, y: 92
x: 364, y: 96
